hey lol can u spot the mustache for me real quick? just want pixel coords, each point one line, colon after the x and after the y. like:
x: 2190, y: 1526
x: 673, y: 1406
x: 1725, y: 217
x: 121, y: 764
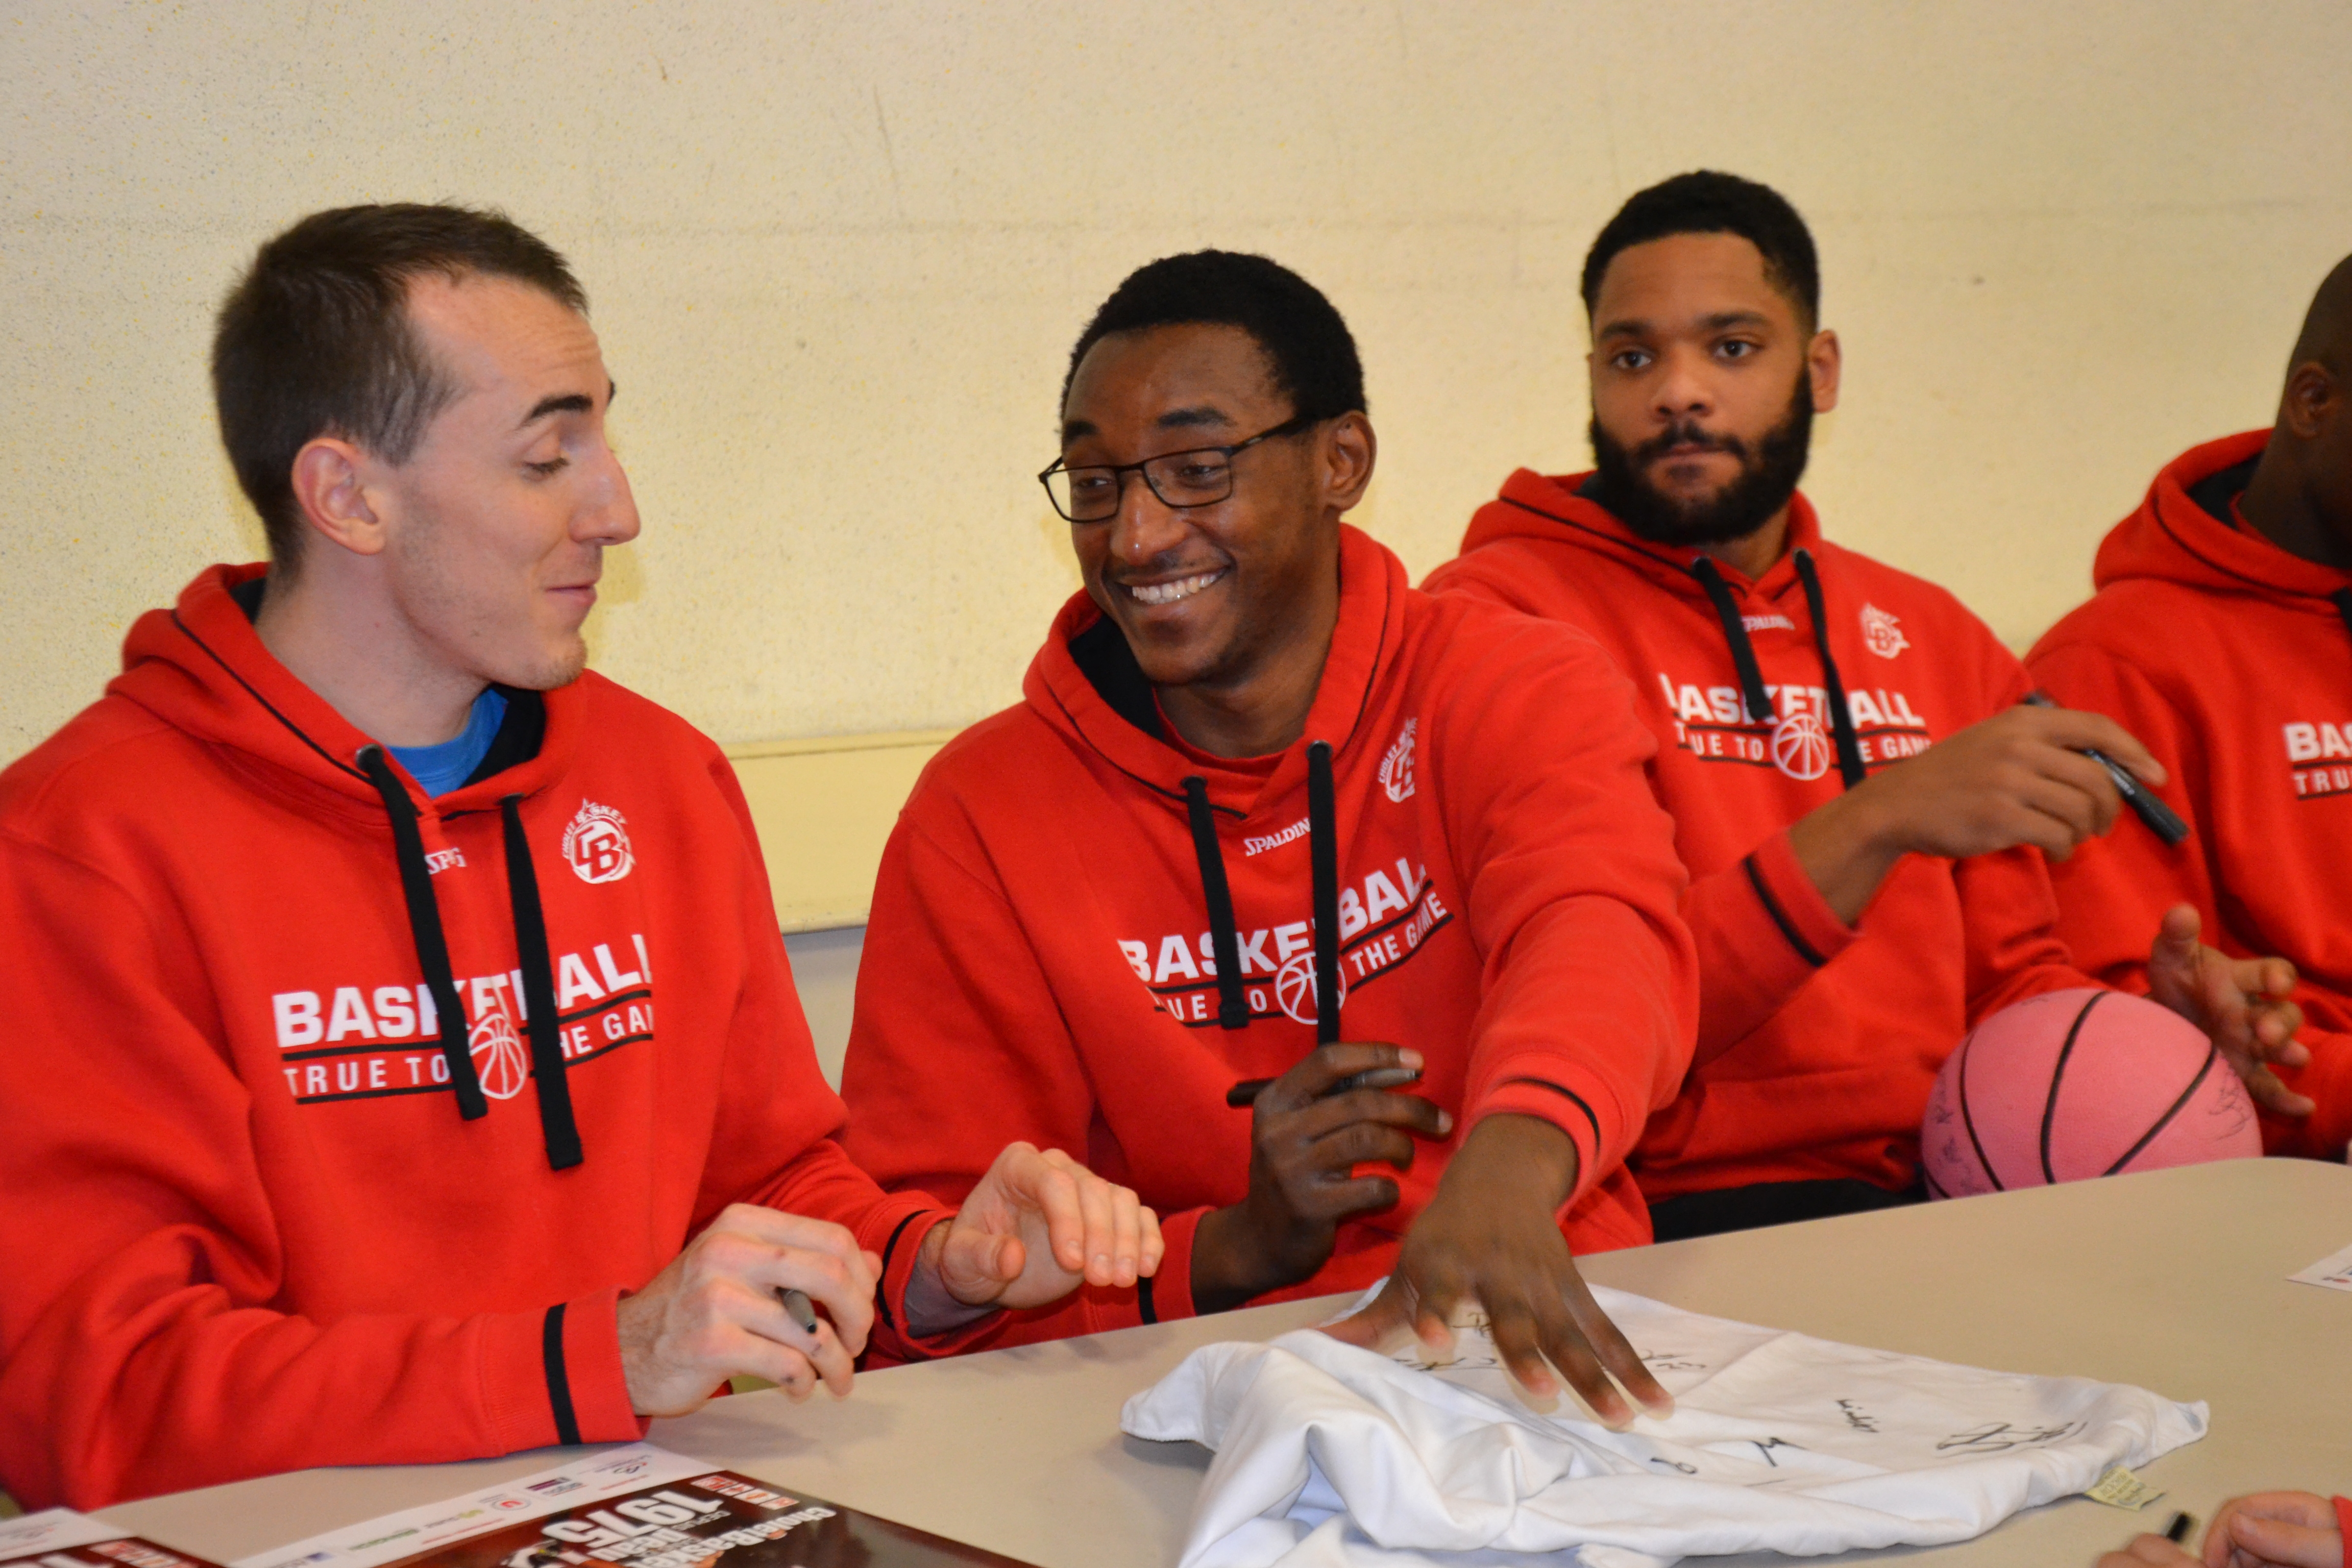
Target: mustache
x: 1687, y: 433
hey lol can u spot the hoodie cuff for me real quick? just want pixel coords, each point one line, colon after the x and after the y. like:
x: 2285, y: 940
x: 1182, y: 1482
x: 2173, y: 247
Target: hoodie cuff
x: 1790, y: 902
x: 1168, y: 1295
x: 554, y: 1375
x: 1572, y: 1100
x: 905, y: 1224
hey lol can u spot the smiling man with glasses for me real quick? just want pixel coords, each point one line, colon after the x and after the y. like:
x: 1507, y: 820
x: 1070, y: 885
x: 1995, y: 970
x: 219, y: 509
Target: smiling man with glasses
x: 1256, y: 779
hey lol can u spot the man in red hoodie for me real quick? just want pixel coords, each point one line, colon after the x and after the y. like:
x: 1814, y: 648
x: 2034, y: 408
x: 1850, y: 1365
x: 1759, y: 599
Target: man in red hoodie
x: 403, y: 1063
x: 1859, y: 896
x: 1255, y: 778
x: 2219, y: 636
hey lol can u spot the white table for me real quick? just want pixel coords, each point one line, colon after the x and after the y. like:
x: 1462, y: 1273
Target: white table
x: 2175, y: 1280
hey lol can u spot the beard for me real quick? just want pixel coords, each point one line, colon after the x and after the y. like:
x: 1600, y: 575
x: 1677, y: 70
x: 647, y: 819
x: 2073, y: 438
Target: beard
x: 1768, y: 477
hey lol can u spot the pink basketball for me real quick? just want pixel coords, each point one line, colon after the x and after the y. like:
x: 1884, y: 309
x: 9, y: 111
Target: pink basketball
x: 2076, y: 1084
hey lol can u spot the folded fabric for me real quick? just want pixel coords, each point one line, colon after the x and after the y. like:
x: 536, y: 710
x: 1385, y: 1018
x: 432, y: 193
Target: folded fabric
x: 1333, y: 1457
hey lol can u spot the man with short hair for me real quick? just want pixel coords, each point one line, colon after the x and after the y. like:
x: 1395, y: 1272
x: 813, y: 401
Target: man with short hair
x: 392, y: 1000
x: 2221, y: 635
x: 1864, y: 807
x: 1256, y: 779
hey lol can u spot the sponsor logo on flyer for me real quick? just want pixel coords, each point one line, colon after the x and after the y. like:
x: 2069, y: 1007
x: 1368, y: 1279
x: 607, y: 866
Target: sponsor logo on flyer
x: 596, y: 844
x: 1396, y: 768
x: 1882, y: 634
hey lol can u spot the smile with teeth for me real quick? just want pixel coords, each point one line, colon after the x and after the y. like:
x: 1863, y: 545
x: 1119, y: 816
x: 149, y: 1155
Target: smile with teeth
x: 1168, y: 592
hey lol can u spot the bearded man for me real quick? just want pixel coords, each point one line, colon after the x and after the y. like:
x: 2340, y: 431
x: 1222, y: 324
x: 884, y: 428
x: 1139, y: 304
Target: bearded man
x: 1862, y: 802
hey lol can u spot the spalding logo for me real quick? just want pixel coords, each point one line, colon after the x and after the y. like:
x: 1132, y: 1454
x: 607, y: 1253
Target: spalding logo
x: 1882, y: 634
x: 1396, y: 768
x: 596, y: 845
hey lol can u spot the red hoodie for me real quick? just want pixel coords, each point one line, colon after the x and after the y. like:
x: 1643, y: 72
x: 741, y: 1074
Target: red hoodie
x: 246, y: 1227
x: 1817, y: 1041
x: 1041, y: 964
x: 2232, y: 661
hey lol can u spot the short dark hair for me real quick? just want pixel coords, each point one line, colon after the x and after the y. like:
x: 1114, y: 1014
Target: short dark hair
x: 1706, y: 202
x: 1307, y: 345
x: 315, y: 339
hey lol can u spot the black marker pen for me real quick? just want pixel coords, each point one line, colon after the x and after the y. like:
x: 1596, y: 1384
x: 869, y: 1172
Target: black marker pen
x: 1245, y: 1094
x: 2161, y: 819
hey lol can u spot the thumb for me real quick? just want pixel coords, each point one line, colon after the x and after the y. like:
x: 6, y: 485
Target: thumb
x: 2179, y: 929
x: 977, y: 1265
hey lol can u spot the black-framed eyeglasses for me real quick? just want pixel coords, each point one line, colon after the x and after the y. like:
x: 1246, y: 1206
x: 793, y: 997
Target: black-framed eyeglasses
x: 1200, y: 476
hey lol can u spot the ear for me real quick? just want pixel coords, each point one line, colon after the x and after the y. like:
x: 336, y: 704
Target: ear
x: 1347, y: 453
x: 330, y: 488
x: 2312, y: 398
x: 1823, y: 361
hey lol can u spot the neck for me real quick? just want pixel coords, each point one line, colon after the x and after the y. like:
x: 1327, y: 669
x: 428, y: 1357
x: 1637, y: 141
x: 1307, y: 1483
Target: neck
x: 1265, y: 710
x: 337, y: 633
x: 1753, y: 553
x: 2279, y: 505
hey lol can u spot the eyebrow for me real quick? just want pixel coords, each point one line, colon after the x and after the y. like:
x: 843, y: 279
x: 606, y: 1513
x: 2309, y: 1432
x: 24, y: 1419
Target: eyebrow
x: 1636, y: 327
x: 1174, y: 419
x: 568, y: 403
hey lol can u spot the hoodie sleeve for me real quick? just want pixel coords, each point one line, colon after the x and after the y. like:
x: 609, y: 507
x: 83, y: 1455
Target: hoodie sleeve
x: 960, y: 1046
x: 776, y: 1140
x: 1590, y: 998
x: 140, y: 1352
x: 2113, y: 893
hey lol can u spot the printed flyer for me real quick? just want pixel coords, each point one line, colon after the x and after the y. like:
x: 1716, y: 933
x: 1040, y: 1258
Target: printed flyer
x: 637, y: 1507
x: 60, y: 1538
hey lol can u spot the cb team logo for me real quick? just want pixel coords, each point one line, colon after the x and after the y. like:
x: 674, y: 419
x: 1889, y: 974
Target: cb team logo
x: 1396, y: 768
x: 1294, y: 988
x: 500, y: 1060
x: 1800, y: 747
x: 596, y: 844
x: 1882, y: 634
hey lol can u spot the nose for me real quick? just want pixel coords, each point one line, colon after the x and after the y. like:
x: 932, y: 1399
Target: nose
x: 1144, y: 526
x: 608, y: 510
x: 1682, y: 389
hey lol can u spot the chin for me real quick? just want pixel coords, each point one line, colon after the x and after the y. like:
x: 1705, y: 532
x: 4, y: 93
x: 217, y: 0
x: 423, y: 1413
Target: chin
x: 547, y: 668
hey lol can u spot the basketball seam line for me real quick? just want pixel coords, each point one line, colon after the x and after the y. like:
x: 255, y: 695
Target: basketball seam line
x: 2057, y: 1077
x: 1969, y: 1119
x: 2212, y: 1052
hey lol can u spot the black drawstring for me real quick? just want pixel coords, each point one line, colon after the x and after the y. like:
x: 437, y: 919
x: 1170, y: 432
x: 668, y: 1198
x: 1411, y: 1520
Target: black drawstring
x: 1752, y: 675
x: 1233, y: 1006
x: 1323, y: 849
x: 1743, y: 652
x: 1849, y: 746
x: 2343, y: 597
x: 557, y: 1128
x: 425, y: 927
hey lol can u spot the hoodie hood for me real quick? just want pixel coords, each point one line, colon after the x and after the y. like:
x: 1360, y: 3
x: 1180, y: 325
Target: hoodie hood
x: 1553, y: 507
x: 200, y: 666
x: 2173, y: 539
x: 1085, y: 683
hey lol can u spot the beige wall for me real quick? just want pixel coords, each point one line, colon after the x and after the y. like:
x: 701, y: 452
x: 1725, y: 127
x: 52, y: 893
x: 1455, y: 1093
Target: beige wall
x: 837, y: 252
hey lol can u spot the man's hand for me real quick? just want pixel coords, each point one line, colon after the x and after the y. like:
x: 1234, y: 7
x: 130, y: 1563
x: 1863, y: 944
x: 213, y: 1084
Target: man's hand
x: 2147, y: 1552
x: 1303, y: 1153
x: 2019, y: 777
x: 714, y: 1312
x: 2241, y: 1003
x: 2275, y: 1530
x: 1036, y: 1227
x: 1489, y: 1236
